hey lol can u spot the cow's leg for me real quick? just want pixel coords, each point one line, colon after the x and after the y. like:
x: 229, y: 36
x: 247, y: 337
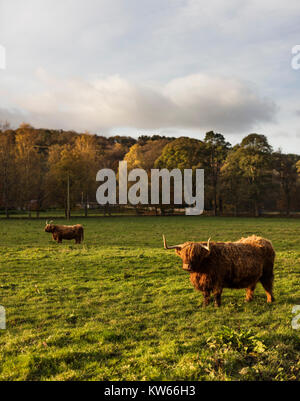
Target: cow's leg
x: 267, y: 283
x: 217, y: 297
x: 249, y: 292
x: 206, y: 296
x: 59, y: 239
x: 267, y: 280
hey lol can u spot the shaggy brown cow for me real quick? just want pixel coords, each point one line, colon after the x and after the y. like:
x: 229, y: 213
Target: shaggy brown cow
x: 217, y: 265
x: 65, y: 232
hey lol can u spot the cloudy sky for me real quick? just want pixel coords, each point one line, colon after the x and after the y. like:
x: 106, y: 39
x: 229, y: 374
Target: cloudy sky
x: 172, y: 67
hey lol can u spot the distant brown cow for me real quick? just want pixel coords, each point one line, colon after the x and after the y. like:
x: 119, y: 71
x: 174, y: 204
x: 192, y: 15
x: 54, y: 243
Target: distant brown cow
x: 217, y: 265
x: 65, y: 232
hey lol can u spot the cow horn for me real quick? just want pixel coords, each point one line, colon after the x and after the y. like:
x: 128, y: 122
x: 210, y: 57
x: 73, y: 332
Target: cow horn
x: 50, y: 222
x: 207, y: 247
x: 46, y: 222
x: 170, y: 247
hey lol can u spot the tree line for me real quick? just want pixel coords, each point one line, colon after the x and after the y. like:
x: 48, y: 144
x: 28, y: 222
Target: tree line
x: 37, y: 165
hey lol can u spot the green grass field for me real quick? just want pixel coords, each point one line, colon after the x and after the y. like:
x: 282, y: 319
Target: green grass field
x: 119, y: 307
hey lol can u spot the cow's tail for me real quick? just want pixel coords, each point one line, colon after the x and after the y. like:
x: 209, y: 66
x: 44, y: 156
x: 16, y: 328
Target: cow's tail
x: 82, y: 236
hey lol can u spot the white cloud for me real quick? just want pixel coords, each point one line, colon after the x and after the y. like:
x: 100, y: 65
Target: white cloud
x: 196, y: 101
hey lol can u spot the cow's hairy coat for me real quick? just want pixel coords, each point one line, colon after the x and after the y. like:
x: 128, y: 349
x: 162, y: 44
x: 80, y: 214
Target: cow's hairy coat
x: 240, y: 264
x: 60, y: 232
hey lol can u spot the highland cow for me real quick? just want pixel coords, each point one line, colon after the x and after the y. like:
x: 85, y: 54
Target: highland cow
x: 217, y: 265
x: 65, y: 232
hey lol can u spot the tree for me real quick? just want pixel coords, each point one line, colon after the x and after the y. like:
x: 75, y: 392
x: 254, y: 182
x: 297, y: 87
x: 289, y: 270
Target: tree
x: 64, y: 170
x: 7, y: 170
x: 183, y: 153
x: 144, y: 155
x: 112, y: 155
x: 252, y: 161
x: 29, y: 167
x: 216, y: 150
x: 73, y: 169
x: 233, y: 182
x: 143, y: 139
x: 286, y: 168
x: 36, y: 165
x: 85, y: 153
